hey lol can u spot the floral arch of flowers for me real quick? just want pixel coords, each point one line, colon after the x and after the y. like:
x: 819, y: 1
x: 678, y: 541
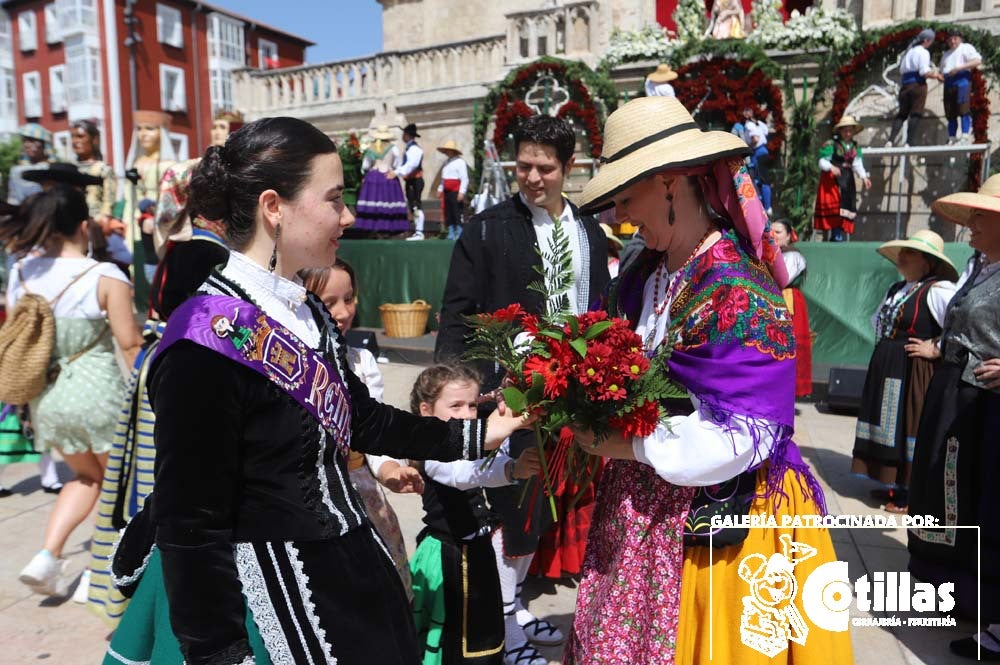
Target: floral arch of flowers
x: 590, y: 96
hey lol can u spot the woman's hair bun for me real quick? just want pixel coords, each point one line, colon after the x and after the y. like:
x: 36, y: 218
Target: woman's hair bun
x: 209, y: 190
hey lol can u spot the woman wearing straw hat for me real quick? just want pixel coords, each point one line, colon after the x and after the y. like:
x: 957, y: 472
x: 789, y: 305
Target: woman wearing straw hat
x: 839, y: 160
x: 381, y: 205
x: 658, y: 82
x: 893, y: 397
x: 454, y: 183
x: 957, y: 459
x: 705, y: 291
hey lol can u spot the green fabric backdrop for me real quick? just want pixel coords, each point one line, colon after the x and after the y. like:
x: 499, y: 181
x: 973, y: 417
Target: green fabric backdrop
x: 845, y: 283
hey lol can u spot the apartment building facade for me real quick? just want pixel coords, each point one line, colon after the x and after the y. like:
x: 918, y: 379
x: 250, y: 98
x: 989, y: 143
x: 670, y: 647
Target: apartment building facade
x: 68, y: 60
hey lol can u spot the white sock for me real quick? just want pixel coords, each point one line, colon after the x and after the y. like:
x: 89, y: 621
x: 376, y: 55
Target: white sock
x: 418, y: 221
x: 47, y: 470
x: 509, y: 571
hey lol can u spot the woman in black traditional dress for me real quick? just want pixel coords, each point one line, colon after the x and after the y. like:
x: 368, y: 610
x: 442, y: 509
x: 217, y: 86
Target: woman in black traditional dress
x: 957, y: 458
x: 256, y: 407
x: 893, y: 396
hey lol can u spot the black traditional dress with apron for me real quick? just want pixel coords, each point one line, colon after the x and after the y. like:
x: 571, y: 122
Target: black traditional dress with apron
x: 893, y: 396
x: 957, y: 458
x: 253, y: 508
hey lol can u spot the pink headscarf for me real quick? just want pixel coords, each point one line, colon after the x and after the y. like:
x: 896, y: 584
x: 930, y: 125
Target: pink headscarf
x: 728, y: 187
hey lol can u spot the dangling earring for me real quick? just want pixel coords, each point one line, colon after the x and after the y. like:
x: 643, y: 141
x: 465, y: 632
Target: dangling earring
x: 670, y: 213
x: 273, y: 263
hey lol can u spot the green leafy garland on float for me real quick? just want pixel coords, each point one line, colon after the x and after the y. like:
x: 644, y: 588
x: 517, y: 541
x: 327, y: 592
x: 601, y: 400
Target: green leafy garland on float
x: 598, y: 84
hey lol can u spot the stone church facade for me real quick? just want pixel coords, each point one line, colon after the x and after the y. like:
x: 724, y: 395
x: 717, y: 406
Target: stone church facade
x: 440, y: 58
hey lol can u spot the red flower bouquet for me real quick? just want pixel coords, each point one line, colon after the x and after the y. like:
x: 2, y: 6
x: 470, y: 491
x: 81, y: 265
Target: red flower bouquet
x: 588, y: 369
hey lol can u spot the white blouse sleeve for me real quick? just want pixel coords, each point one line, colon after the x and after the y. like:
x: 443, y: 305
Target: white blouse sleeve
x: 938, y: 298
x: 859, y: 168
x: 468, y: 474
x: 695, y: 451
x: 795, y: 264
x: 825, y: 164
x: 369, y: 373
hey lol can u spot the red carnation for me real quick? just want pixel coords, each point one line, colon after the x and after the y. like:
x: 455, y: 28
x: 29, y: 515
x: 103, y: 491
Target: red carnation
x: 642, y: 420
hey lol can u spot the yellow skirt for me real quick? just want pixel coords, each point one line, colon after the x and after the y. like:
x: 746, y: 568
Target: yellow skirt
x: 710, y: 616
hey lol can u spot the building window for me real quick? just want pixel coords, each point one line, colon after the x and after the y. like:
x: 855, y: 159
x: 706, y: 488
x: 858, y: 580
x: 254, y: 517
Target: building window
x: 180, y: 145
x: 62, y: 145
x: 169, y: 28
x: 27, y: 31
x: 83, y: 74
x: 32, y: 84
x: 225, y: 40
x: 267, y: 54
x: 172, y: 95
x: 5, y: 43
x: 76, y: 15
x: 57, y: 88
x: 52, y: 34
x: 222, y: 90
x: 8, y: 93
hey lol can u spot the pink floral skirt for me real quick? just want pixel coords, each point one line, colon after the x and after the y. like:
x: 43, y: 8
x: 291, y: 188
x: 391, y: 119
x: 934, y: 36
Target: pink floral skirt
x: 628, y: 602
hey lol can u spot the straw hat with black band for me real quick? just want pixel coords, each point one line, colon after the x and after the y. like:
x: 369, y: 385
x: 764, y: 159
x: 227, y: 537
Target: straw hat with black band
x: 926, y: 242
x: 648, y: 135
x: 959, y: 207
x: 651, y: 135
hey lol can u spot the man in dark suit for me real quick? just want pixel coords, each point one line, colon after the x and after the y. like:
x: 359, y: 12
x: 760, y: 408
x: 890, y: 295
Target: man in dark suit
x: 493, y: 262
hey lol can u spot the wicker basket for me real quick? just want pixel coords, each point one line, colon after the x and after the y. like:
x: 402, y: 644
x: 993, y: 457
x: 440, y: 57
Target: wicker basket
x: 405, y: 320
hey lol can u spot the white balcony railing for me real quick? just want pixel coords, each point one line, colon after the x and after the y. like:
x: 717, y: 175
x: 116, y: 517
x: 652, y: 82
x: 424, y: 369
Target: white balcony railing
x: 263, y: 92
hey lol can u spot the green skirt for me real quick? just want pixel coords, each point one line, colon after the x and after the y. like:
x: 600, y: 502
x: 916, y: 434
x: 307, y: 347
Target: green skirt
x: 457, y: 606
x: 144, y: 633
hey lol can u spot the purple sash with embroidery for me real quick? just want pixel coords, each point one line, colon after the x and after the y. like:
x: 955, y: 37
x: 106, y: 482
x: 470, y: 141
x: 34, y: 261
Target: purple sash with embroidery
x: 241, y: 332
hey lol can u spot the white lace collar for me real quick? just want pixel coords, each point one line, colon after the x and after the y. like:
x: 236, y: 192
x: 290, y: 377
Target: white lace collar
x: 263, y: 285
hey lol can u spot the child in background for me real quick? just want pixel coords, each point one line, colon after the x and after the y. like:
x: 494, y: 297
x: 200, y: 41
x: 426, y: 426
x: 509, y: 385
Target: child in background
x: 457, y: 602
x: 337, y: 288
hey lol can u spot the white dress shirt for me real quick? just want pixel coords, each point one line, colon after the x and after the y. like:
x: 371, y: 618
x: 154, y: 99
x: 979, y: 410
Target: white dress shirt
x: 544, y: 226
x: 917, y: 59
x: 455, y: 169
x: 411, y: 159
x: 956, y: 57
x: 659, y: 89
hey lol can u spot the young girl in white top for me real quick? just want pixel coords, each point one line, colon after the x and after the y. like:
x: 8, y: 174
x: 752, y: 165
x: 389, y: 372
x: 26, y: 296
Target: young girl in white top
x: 337, y: 288
x: 77, y: 412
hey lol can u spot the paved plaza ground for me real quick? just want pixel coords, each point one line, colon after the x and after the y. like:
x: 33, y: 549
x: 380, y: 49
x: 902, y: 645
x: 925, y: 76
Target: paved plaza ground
x: 35, y: 630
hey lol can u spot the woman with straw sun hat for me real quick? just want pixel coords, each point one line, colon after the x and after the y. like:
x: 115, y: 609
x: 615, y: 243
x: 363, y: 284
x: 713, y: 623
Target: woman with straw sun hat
x: 658, y: 82
x: 957, y: 459
x: 454, y: 184
x: 840, y: 160
x: 705, y: 297
x: 381, y: 204
x: 893, y: 397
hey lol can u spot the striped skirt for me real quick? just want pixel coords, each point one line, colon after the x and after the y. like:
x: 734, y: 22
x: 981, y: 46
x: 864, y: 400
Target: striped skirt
x: 127, y: 482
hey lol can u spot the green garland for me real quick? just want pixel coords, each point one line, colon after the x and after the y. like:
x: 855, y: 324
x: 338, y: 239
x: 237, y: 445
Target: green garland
x: 598, y: 83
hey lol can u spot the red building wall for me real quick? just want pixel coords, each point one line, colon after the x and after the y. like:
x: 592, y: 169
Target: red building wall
x: 40, y: 60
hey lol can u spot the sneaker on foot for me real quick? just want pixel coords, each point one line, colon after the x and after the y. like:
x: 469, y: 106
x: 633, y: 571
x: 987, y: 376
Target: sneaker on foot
x: 416, y: 236
x: 83, y: 588
x: 44, y: 574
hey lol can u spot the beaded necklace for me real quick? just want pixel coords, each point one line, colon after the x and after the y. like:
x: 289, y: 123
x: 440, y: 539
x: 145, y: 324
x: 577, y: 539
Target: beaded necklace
x: 673, y: 283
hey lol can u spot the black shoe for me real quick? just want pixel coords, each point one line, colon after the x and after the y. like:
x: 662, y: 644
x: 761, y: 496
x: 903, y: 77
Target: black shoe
x: 968, y: 646
x: 4, y: 493
x: 52, y: 489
